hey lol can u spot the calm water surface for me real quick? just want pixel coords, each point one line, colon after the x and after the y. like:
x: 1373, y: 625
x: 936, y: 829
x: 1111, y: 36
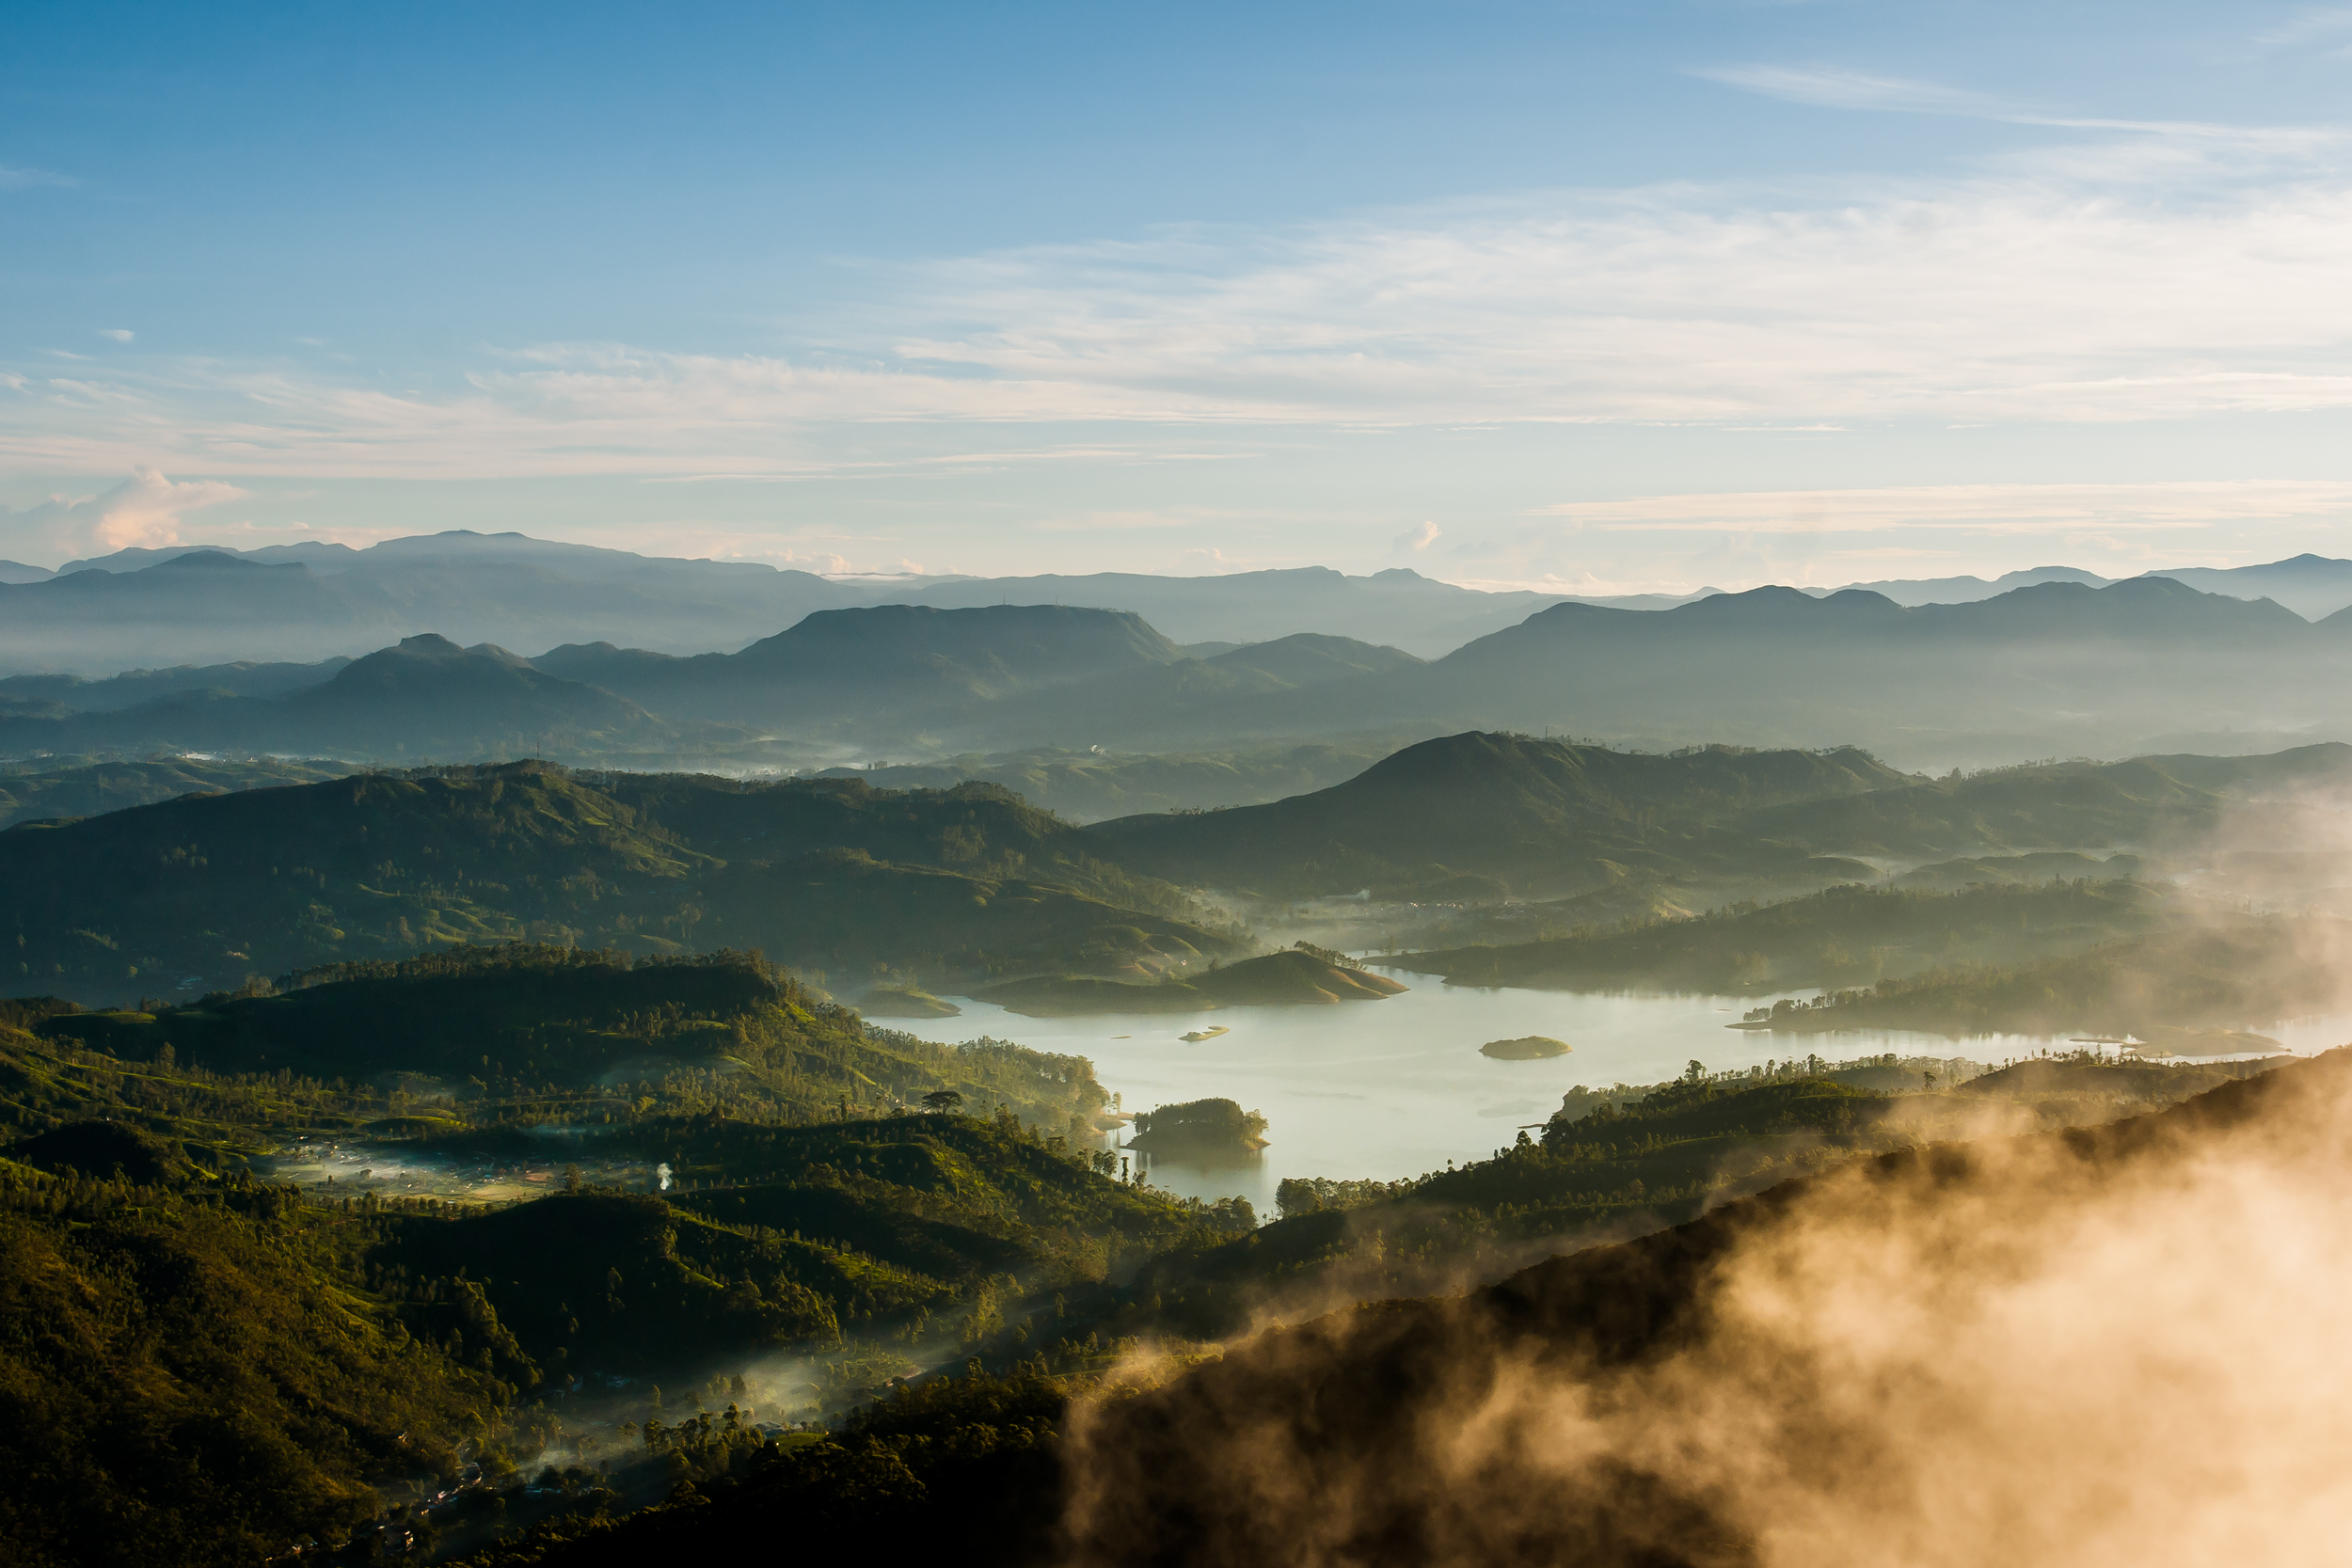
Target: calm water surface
x: 1395, y: 1088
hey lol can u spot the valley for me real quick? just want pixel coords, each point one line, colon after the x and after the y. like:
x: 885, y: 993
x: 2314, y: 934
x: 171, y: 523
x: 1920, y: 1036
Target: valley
x: 639, y: 1126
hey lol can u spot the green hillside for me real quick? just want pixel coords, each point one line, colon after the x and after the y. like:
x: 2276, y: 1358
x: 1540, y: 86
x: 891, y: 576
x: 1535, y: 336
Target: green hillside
x: 1516, y: 812
x: 204, y: 1366
x: 1481, y: 817
x: 199, y: 892
x: 560, y: 1032
x: 840, y: 911
x: 991, y: 1459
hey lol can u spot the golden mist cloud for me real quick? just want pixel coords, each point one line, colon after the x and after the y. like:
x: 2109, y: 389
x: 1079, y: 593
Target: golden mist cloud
x: 2119, y: 1345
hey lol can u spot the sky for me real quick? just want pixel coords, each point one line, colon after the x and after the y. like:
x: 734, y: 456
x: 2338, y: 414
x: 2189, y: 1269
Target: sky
x: 1588, y: 297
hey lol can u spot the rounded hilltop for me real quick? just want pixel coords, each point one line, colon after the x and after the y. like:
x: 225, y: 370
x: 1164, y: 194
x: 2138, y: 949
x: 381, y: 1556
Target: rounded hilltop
x: 1298, y: 976
x: 1199, y: 1130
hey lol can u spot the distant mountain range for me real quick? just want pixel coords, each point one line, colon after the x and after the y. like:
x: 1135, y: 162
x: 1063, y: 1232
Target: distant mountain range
x: 426, y: 699
x: 301, y: 603
x: 2060, y: 668
x: 206, y: 605
x: 2313, y: 586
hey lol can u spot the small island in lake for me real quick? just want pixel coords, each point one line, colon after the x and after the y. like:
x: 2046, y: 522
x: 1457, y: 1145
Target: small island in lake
x: 1527, y: 1048
x: 1199, y: 1130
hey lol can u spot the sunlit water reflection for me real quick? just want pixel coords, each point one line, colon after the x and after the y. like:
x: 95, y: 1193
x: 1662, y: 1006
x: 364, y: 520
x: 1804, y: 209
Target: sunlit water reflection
x: 1395, y: 1088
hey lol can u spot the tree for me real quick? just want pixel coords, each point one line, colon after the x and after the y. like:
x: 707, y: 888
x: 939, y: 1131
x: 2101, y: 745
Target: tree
x: 943, y: 1101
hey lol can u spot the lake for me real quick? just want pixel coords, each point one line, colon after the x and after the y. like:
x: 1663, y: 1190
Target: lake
x: 1396, y: 1088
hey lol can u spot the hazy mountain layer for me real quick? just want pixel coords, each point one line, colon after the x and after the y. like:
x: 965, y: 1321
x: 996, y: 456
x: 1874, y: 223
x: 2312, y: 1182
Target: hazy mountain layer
x: 427, y: 698
x: 311, y: 601
x: 201, y: 604
x: 2148, y: 664
x: 197, y: 892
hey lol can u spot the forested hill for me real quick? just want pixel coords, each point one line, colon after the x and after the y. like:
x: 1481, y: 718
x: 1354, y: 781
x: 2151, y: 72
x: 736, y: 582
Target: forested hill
x: 196, y: 893
x: 553, y: 1029
x: 1508, y: 811
x: 204, y: 1366
x: 1482, y: 815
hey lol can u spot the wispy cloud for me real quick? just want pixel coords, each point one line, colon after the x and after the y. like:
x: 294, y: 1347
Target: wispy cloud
x: 2322, y: 22
x: 2063, y: 292
x: 2169, y: 506
x: 2156, y: 144
x: 1832, y: 88
x: 12, y: 179
x: 120, y: 334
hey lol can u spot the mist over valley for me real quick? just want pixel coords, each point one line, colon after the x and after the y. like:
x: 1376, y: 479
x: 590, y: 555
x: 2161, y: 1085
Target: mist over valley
x: 1397, y: 786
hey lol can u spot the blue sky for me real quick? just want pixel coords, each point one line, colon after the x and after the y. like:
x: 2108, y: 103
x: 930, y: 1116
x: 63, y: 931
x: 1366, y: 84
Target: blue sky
x: 1593, y: 296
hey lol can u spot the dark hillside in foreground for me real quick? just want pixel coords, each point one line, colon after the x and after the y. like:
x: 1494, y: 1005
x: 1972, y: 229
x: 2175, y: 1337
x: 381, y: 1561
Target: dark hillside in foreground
x: 1344, y: 1415
x: 1421, y: 1431
x: 205, y: 1368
